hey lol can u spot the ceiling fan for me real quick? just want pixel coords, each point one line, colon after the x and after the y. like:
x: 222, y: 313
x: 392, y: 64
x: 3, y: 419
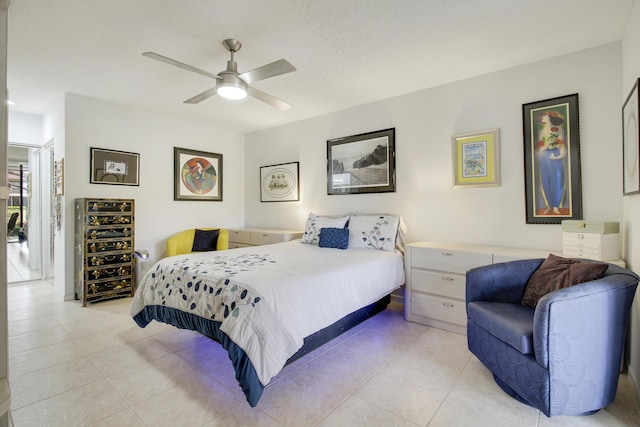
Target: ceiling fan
x: 233, y: 85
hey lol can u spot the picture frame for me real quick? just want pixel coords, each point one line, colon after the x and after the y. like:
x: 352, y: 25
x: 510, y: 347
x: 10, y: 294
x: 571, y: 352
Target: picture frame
x: 363, y: 163
x: 197, y: 175
x: 476, y: 158
x: 553, y: 179
x: 58, y: 178
x: 280, y: 183
x: 631, y: 142
x: 114, y: 167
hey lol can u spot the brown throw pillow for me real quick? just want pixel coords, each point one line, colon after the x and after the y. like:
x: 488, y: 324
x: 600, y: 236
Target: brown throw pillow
x: 557, y: 273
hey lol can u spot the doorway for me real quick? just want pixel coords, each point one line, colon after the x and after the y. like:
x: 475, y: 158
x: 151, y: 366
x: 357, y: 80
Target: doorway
x: 24, y: 254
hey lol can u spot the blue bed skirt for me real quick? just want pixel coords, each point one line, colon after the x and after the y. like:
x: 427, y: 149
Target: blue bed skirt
x: 245, y: 372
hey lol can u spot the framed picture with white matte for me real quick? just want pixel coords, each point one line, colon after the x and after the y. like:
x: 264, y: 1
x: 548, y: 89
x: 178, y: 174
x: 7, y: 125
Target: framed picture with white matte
x: 280, y: 183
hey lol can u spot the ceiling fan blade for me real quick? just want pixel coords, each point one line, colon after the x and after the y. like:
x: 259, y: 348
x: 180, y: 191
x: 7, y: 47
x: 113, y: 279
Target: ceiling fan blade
x: 271, y: 100
x: 201, y: 97
x: 281, y: 66
x: 179, y: 64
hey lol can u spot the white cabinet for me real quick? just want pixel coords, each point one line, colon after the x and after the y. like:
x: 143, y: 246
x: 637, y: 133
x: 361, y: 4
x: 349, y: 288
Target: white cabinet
x: 435, y: 283
x: 591, y: 245
x: 239, y: 238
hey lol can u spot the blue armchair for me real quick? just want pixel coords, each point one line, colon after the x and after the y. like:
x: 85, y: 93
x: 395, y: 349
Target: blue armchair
x: 563, y: 357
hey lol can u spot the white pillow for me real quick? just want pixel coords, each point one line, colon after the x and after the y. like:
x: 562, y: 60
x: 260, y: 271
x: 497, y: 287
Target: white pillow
x: 373, y: 231
x: 402, y: 228
x: 316, y: 222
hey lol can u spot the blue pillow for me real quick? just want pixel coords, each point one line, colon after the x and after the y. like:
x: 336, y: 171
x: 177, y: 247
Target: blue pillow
x: 337, y: 238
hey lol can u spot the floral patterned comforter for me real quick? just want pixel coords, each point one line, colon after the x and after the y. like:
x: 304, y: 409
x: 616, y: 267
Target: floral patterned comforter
x: 269, y: 298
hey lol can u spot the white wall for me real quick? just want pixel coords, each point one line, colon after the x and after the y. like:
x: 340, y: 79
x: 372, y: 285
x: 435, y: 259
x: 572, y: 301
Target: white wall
x: 25, y: 128
x: 631, y: 204
x: 53, y: 131
x: 424, y: 123
x: 93, y: 123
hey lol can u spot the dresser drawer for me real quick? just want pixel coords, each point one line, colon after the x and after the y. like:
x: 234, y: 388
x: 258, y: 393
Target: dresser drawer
x: 591, y: 245
x: 444, y: 284
x: 442, y: 309
x: 240, y: 236
x: 258, y: 238
x: 454, y: 261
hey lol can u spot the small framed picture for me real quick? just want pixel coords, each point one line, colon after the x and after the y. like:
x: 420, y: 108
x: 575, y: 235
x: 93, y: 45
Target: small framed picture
x: 280, y: 183
x: 197, y: 175
x: 114, y: 167
x: 476, y: 158
x: 631, y: 143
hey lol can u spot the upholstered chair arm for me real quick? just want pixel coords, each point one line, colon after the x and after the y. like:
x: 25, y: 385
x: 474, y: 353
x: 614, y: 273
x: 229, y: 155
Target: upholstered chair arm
x: 573, y: 327
x: 223, y: 240
x: 502, y: 282
x: 180, y: 243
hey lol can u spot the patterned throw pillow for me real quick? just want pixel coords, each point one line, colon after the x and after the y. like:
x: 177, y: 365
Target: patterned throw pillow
x: 373, y: 232
x: 315, y: 223
x: 337, y: 238
x: 205, y: 240
x: 557, y: 273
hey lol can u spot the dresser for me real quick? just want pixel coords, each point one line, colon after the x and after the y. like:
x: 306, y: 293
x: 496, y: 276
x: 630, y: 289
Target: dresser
x: 435, y: 279
x: 104, y: 244
x: 242, y: 237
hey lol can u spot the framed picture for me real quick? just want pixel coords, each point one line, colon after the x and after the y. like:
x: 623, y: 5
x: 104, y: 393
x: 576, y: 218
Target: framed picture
x: 631, y: 143
x: 114, y: 167
x: 279, y: 183
x: 197, y: 175
x: 362, y: 163
x: 476, y: 158
x: 553, y: 188
x: 58, y: 178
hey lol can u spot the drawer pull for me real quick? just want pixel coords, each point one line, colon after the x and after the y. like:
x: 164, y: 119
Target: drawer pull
x: 448, y: 279
x: 448, y: 305
x: 447, y: 254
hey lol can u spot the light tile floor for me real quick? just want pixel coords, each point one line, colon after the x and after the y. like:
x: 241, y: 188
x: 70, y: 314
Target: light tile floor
x: 18, y: 263
x: 74, y: 366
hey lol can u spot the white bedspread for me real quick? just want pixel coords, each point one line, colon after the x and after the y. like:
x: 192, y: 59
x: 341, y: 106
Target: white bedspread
x: 269, y: 298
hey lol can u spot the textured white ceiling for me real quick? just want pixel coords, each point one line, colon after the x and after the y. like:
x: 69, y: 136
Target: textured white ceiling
x: 347, y: 52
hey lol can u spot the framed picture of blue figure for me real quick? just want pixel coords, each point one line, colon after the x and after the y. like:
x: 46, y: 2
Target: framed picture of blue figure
x: 553, y: 187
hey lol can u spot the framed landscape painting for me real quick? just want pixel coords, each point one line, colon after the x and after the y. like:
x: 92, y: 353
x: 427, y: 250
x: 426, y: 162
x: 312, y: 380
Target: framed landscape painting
x: 363, y: 163
x: 553, y: 187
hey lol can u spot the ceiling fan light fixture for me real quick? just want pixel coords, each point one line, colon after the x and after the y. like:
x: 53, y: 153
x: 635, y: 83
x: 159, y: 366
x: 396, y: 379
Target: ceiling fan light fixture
x: 232, y: 87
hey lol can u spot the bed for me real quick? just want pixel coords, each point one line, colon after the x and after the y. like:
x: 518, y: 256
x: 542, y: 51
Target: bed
x: 268, y: 305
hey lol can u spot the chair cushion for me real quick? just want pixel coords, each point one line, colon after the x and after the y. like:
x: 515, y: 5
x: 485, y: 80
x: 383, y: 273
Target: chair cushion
x: 557, y: 273
x: 205, y: 240
x: 510, y: 323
